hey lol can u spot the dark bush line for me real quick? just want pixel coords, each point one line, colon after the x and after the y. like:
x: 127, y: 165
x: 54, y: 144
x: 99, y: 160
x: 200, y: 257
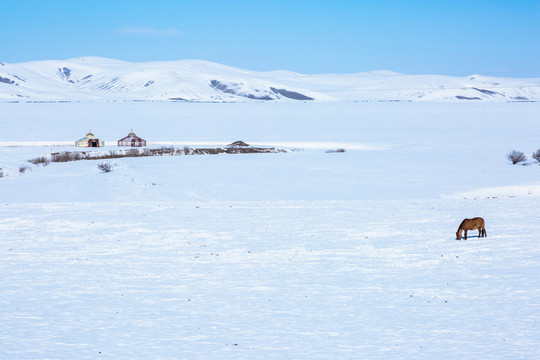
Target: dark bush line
x: 236, y: 150
x: 83, y: 155
x: 163, y: 151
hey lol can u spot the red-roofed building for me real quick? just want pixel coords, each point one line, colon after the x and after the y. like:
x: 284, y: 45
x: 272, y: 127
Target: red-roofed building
x: 132, y: 140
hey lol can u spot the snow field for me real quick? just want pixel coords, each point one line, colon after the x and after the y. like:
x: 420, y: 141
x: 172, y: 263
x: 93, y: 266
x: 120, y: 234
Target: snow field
x: 307, y: 279
x: 298, y: 255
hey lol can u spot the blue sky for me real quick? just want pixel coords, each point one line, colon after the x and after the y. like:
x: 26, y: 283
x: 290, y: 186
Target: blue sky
x: 499, y: 38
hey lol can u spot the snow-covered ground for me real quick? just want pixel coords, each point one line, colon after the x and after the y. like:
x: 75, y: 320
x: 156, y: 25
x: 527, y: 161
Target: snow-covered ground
x: 297, y: 255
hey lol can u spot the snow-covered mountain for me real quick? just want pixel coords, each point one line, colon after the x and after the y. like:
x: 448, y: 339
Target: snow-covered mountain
x: 93, y: 78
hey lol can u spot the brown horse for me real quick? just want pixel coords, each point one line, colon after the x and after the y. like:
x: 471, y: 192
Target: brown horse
x: 472, y: 224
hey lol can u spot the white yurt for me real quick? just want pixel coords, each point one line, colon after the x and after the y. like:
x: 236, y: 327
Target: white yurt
x: 89, y: 141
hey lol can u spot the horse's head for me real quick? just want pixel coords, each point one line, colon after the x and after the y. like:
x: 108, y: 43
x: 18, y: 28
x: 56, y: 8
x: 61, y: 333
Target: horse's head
x: 458, y: 235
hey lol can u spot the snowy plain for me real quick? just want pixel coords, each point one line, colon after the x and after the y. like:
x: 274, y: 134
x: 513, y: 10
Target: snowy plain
x: 296, y: 255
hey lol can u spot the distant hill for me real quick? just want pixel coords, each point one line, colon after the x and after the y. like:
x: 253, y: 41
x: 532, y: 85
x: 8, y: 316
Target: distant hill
x: 102, y: 79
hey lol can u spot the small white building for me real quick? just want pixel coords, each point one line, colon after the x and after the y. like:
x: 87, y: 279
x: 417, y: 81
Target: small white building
x: 89, y: 141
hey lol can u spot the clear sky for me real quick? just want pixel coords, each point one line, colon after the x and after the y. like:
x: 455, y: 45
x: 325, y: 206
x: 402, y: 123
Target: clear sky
x: 457, y: 37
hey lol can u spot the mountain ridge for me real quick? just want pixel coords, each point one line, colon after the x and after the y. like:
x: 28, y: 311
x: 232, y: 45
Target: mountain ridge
x: 96, y: 78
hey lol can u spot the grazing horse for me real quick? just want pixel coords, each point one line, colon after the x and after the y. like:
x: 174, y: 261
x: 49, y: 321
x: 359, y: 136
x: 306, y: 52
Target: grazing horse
x: 472, y: 224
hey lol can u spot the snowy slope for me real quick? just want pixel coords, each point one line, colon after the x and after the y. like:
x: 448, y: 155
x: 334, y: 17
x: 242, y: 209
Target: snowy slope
x: 92, y: 78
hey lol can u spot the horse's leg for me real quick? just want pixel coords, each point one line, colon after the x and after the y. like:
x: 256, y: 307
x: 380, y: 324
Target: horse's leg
x: 465, y: 237
x: 480, y: 232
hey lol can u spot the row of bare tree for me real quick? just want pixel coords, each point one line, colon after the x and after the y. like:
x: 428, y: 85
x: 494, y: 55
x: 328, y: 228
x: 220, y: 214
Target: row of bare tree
x: 517, y: 157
